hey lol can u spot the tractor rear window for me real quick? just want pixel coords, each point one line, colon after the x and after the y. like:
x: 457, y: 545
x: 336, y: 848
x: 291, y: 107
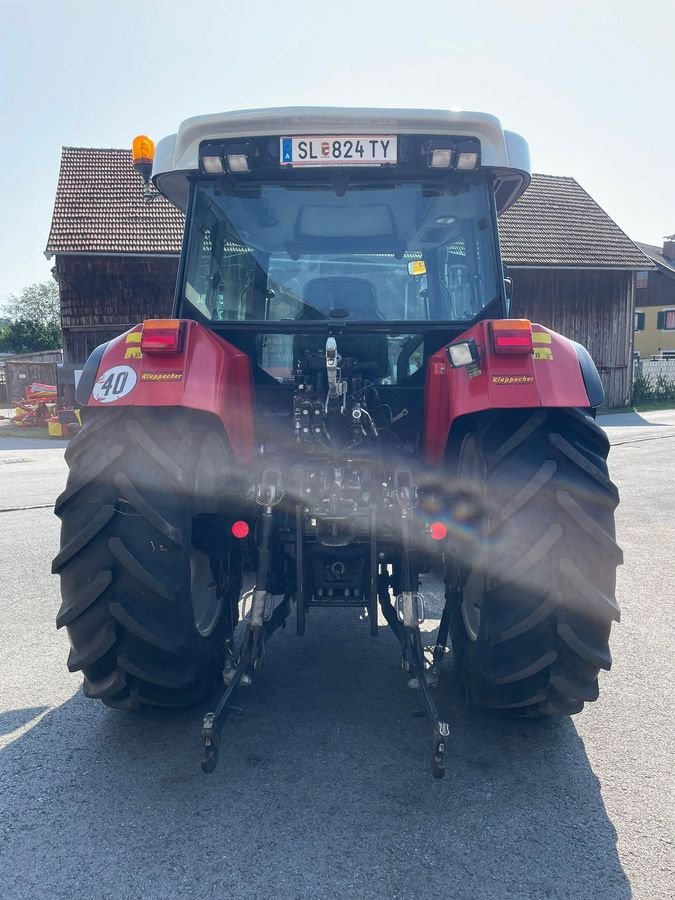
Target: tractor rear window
x: 372, y: 252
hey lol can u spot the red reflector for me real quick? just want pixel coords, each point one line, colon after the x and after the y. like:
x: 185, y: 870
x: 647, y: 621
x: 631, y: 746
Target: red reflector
x: 512, y: 342
x: 240, y: 529
x: 438, y: 531
x: 504, y: 340
x: 162, y: 336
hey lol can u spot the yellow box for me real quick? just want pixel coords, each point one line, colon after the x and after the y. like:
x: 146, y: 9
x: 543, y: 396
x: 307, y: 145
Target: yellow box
x: 55, y: 429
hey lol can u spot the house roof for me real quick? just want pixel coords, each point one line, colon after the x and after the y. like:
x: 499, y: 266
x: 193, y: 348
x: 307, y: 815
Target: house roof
x: 556, y: 223
x: 664, y: 263
x: 99, y: 208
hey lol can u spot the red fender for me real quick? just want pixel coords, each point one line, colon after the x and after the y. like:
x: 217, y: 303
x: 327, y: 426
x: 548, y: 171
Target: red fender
x: 207, y: 374
x: 550, y: 376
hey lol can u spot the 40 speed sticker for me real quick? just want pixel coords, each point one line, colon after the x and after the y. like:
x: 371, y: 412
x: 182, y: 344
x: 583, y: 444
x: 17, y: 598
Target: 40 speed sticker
x: 114, y: 384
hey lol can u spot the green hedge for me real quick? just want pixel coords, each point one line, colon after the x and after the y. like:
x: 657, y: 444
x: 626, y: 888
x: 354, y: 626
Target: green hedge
x: 658, y: 389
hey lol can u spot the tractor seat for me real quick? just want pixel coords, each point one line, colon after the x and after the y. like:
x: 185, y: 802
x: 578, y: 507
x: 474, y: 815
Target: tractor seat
x: 355, y: 296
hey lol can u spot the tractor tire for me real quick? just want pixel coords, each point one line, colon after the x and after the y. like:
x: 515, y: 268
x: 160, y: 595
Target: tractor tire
x: 146, y: 607
x: 531, y: 623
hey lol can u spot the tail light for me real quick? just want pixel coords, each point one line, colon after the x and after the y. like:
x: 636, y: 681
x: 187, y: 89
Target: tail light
x: 162, y: 336
x: 240, y: 529
x: 512, y: 336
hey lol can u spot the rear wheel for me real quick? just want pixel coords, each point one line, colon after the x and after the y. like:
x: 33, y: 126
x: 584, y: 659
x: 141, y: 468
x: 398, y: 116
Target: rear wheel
x: 531, y: 628
x: 149, y: 589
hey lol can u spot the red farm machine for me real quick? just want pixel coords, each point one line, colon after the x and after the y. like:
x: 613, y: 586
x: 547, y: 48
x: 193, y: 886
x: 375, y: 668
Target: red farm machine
x: 340, y: 404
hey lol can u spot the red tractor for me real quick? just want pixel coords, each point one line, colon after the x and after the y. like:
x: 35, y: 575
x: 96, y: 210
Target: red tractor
x: 340, y: 404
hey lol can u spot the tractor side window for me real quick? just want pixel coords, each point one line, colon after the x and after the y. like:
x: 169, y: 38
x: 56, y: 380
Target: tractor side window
x: 462, y: 267
x: 222, y: 282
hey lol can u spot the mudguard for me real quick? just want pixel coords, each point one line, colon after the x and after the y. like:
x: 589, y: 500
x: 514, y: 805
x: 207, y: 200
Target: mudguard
x: 550, y: 376
x: 207, y: 374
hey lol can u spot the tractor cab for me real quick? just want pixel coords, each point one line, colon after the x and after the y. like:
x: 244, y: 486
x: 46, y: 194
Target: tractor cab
x: 375, y: 229
x: 307, y: 223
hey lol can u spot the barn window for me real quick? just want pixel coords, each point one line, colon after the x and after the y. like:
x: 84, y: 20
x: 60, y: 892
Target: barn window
x: 666, y: 320
x: 639, y: 321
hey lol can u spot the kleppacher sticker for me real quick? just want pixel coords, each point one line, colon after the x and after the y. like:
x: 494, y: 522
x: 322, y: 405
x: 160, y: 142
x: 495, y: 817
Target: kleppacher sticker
x: 162, y: 376
x: 512, y: 379
x: 114, y: 384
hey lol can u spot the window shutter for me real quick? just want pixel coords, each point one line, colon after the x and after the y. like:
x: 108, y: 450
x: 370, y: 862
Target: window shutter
x: 661, y: 320
x: 639, y: 321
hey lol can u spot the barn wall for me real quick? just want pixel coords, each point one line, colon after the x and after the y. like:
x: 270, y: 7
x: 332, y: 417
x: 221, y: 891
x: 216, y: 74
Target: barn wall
x: 101, y: 296
x: 593, y: 307
x: 660, y: 291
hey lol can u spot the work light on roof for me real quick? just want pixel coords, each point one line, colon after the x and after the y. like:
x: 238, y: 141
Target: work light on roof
x: 237, y: 162
x: 441, y: 158
x: 467, y: 161
x: 439, y: 152
x: 213, y: 165
x: 238, y: 158
x: 468, y: 156
x: 211, y: 158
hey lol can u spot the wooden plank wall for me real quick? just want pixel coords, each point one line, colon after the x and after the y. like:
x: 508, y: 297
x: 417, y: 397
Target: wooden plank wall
x: 593, y: 307
x: 660, y: 291
x: 21, y: 371
x: 101, y: 296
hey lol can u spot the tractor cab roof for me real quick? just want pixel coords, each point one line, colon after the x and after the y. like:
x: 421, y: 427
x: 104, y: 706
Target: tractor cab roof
x: 503, y: 152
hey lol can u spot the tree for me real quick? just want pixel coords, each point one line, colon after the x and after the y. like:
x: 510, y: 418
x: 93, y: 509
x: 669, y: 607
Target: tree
x: 29, y: 337
x: 37, y: 303
x: 34, y: 321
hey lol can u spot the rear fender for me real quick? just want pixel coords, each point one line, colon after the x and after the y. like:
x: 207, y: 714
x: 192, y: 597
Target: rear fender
x: 551, y: 376
x: 208, y: 374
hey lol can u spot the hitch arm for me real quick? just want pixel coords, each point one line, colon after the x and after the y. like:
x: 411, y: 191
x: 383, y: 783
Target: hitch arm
x: 214, y: 721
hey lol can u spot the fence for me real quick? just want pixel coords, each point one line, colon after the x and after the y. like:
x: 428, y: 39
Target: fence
x: 654, y: 380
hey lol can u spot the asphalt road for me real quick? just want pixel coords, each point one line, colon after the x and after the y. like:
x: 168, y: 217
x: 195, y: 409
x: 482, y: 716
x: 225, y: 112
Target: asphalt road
x: 323, y: 790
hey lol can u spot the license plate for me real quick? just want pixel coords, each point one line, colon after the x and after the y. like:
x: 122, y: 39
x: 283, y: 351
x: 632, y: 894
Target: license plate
x: 342, y: 150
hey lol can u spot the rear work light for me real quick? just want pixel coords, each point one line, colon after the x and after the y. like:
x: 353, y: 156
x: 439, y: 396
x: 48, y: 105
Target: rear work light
x: 162, y: 336
x: 463, y: 353
x: 512, y: 336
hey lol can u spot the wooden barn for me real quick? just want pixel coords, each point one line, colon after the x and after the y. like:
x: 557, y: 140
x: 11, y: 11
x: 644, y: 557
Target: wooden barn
x: 116, y: 256
x: 573, y: 268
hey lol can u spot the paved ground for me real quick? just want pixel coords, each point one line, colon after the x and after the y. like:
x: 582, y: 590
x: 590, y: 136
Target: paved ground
x: 324, y: 789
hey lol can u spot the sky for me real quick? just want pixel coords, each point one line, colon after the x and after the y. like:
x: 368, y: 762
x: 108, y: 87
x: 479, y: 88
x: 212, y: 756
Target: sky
x: 589, y: 83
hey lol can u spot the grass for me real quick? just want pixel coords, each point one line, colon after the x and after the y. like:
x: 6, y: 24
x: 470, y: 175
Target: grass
x: 9, y: 429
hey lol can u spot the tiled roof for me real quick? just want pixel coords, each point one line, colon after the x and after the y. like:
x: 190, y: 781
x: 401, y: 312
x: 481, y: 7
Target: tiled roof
x: 556, y: 223
x: 656, y: 256
x: 99, y: 208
